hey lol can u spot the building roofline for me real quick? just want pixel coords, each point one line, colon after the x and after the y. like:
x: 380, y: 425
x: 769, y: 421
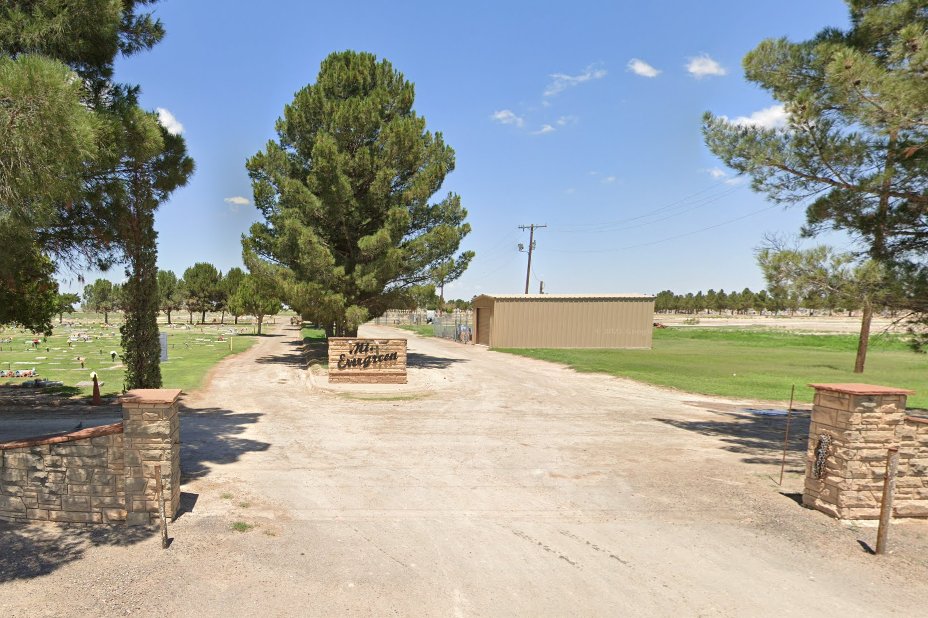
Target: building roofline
x: 566, y: 296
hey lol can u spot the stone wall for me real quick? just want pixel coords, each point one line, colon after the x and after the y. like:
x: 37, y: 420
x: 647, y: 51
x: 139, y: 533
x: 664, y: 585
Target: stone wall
x: 852, y: 428
x: 911, y: 498
x: 78, y: 477
x: 367, y: 361
x: 101, y: 474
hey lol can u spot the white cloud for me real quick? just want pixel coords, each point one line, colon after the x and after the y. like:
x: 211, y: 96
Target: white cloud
x: 772, y: 117
x: 570, y: 191
x: 703, y: 66
x: 561, y: 81
x: 236, y: 202
x: 546, y: 128
x: 720, y: 174
x: 642, y: 68
x: 563, y: 121
x: 507, y: 116
x: 169, y: 122
x: 608, y: 180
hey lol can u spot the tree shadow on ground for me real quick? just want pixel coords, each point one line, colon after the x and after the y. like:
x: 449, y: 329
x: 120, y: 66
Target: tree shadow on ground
x: 425, y: 361
x: 294, y: 356
x: 758, y: 437
x: 36, y: 549
x: 212, y: 436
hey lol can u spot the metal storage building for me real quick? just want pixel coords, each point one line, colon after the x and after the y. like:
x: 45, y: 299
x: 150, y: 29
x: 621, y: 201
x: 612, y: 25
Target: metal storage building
x: 563, y: 321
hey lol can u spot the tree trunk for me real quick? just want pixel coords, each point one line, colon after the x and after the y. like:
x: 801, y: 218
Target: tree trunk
x: 203, y: 317
x: 60, y: 318
x: 191, y: 317
x: 864, y: 338
x: 260, y: 320
x: 106, y: 317
x: 169, y: 316
x: 236, y: 320
x: 222, y: 319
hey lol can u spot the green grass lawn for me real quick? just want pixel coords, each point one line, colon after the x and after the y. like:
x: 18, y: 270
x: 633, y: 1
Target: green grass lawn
x: 752, y: 363
x: 191, y: 354
x: 426, y: 330
x: 315, y: 346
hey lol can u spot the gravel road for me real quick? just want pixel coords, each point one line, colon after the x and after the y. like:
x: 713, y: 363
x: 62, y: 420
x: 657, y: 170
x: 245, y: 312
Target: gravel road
x: 489, y: 485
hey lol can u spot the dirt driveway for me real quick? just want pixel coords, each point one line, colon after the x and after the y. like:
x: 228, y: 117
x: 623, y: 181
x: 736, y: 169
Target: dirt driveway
x: 489, y: 485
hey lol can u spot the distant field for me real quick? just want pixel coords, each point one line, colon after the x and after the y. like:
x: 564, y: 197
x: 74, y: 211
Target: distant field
x: 801, y: 323
x: 191, y: 353
x: 753, y: 363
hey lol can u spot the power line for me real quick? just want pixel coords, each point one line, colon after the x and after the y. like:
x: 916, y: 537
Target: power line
x: 669, y: 238
x: 603, y: 228
x: 660, y: 209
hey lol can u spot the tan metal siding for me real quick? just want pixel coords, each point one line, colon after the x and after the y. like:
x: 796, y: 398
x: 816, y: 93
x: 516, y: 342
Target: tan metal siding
x: 483, y: 320
x: 571, y: 322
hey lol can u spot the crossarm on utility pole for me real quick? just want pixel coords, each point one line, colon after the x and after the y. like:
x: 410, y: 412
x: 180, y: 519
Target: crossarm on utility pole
x: 531, y: 246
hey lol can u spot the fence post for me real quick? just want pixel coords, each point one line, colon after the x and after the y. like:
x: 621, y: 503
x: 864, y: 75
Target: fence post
x: 886, y: 506
x: 159, y: 487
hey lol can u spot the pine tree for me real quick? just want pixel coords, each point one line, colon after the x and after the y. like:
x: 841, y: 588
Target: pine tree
x: 855, y: 140
x: 345, y: 192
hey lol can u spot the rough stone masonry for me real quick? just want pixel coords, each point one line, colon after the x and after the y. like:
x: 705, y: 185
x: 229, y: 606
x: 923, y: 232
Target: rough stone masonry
x: 98, y: 475
x: 852, y: 427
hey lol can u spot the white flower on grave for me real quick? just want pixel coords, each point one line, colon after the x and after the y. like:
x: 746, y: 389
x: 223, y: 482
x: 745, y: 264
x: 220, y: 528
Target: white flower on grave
x: 93, y: 374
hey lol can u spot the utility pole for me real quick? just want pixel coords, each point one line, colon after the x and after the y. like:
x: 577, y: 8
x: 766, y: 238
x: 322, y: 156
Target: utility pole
x: 531, y: 247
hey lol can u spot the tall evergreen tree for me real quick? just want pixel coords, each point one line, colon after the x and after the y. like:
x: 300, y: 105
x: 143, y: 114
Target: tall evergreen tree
x: 170, y: 293
x: 99, y: 297
x: 155, y: 165
x: 230, y: 283
x: 255, y: 296
x: 203, y: 287
x: 345, y: 192
x: 113, y: 167
x: 855, y: 140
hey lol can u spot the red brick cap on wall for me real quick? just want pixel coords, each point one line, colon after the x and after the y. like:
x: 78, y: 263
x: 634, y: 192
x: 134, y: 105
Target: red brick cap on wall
x: 83, y: 434
x: 854, y: 388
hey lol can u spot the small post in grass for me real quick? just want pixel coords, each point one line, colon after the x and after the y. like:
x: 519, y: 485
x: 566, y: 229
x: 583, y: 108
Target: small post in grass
x: 161, y: 510
x: 886, y: 506
x: 789, y: 414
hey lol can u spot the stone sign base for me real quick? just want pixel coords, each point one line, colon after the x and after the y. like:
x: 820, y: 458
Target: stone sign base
x: 367, y: 361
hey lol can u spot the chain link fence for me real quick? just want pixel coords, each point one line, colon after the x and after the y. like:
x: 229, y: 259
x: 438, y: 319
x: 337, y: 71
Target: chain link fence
x: 456, y: 326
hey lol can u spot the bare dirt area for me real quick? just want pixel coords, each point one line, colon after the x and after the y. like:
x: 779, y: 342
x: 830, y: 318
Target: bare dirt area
x: 489, y: 485
x: 812, y: 324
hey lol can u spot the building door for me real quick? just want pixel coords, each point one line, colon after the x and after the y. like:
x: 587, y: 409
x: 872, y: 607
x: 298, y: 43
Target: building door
x: 483, y: 327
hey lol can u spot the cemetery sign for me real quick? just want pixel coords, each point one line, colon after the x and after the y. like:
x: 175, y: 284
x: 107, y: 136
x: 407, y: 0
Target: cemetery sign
x: 367, y: 361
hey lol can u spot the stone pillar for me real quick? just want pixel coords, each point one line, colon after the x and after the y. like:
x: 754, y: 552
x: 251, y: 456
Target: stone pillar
x: 852, y: 426
x: 151, y: 436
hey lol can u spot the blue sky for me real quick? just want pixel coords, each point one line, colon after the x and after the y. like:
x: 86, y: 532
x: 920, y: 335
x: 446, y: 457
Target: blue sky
x: 551, y: 119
